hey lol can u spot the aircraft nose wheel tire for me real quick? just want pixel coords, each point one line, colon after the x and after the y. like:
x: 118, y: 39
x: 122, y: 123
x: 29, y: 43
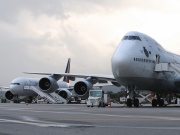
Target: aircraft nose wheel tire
x: 129, y: 102
x: 154, y: 102
x: 136, y: 102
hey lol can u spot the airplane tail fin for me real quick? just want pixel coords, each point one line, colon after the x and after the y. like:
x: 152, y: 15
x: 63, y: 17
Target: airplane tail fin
x: 67, y: 70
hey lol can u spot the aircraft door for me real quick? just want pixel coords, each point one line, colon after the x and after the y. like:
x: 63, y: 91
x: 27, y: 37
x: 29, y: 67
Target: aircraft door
x: 157, y: 58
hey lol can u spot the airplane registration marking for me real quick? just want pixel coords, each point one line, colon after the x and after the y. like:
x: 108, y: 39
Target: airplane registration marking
x: 26, y: 87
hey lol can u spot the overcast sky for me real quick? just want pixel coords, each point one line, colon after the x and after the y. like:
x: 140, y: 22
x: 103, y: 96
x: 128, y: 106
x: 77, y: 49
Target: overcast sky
x: 40, y: 35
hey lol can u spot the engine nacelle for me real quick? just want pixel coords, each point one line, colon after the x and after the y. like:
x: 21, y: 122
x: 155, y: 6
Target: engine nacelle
x: 48, y: 84
x: 81, y: 88
x: 66, y: 94
x: 9, y: 95
x: 177, y: 80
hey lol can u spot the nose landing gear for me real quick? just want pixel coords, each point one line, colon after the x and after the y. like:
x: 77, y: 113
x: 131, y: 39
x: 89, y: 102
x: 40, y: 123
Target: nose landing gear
x: 132, y: 100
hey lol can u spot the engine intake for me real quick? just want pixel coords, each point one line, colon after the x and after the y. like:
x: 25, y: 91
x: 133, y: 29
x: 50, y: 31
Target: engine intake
x: 65, y: 93
x: 9, y: 95
x: 81, y: 88
x: 48, y: 84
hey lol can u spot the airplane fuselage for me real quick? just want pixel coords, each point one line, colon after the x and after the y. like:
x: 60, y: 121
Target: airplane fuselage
x: 134, y: 60
x: 21, y: 86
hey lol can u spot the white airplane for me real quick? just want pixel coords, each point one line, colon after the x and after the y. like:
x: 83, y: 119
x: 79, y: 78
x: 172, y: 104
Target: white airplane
x: 139, y: 63
x: 21, y: 86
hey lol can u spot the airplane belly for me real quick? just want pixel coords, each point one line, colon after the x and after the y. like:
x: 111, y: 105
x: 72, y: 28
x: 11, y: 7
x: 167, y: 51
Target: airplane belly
x: 151, y: 84
x: 24, y: 92
x: 146, y: 79
x: 29, y: 92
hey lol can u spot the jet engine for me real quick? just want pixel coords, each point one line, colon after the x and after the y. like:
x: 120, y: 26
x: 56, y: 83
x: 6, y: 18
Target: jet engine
x: 9, y: 95
x: 81, y: 88
x: 66, y: 94
x: 48, y: 84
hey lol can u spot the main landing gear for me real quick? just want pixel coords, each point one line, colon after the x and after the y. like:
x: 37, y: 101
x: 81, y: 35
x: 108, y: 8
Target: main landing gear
x: 159, y: 101
x: 132, y: 99
x: 30, y: 99
x: 16, y: 99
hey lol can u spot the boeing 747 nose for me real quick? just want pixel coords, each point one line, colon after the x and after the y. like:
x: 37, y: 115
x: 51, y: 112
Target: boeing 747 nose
x: 121, y: 60
x: 120, y: 63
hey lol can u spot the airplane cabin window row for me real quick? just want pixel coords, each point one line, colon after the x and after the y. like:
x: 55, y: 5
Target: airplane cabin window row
x: 144, y: 60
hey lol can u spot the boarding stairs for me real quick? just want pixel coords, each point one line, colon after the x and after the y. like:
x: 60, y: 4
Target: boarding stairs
x: 58, y: 98
x: 167, y: 67
x: 51, y: 97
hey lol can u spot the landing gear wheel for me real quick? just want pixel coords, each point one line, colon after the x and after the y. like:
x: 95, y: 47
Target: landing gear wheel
x: 102, y: 105
x: 99, y: 104
x: 161, y: 102
x: 136, y: 102
x: 30, y: 99
x: 129, y: 102
x: 15, y: 101
x: 154, y: 102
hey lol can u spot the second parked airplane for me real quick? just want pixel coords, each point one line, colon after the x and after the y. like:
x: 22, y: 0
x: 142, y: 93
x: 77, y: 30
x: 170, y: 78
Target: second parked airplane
x: 21, y: 86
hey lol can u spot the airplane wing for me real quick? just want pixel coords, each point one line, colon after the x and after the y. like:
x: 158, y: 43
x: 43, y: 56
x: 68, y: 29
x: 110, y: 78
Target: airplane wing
x: 72, y: 76
x: 5, y: 87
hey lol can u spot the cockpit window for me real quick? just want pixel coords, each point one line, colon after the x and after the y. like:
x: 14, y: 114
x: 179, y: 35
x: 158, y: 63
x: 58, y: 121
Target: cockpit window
x: 15, y: 83
x: 125, y: 38
x: 131, y: 38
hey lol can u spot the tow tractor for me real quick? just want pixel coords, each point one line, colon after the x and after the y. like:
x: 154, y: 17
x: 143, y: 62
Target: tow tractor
x: 98, y: 98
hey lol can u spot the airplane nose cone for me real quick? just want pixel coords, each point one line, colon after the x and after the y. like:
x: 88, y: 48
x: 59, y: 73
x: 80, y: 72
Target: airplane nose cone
x: 120, y: 61
x: 12, y: 88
